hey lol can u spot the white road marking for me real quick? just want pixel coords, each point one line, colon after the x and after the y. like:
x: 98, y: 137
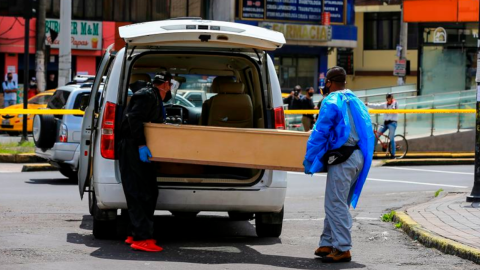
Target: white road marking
x: 415, y: 183
x: 395, y: 181
x: 423, y: 170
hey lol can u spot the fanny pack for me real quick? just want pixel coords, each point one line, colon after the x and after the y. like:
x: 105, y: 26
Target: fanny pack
x: 339, y: 155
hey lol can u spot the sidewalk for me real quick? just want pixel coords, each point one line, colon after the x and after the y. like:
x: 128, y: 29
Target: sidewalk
x: 447, y: 223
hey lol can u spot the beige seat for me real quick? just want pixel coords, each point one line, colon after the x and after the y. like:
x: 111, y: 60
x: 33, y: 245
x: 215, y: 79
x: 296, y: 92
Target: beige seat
x: 231, y: 107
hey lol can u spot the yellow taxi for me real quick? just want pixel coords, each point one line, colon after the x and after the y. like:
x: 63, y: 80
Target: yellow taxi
x: 13, y: 124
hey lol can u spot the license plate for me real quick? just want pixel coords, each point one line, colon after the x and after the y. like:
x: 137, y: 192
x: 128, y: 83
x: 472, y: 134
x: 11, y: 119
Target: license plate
x: 5, y: 122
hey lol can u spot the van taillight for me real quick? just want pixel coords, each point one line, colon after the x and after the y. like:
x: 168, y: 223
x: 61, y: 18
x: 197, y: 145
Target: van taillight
x: 63, y: 134
x: 279, y: 118
x: 107, y: 141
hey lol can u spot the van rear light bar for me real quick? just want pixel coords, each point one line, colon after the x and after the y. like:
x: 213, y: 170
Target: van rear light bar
x: 279, y: 118
x: 107, y: 141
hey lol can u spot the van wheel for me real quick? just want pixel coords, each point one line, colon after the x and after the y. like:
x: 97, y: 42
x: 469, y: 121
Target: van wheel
x: 104, y: 221
x: 44, y: 131
x: 184, y: 214
x: 269, y: 224
x: 69, y: 173
x: 239, y: 216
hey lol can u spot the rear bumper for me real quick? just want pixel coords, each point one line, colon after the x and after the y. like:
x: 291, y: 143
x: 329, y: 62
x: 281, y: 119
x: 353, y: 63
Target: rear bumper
x: 62, y: 154
x: 265, y: 199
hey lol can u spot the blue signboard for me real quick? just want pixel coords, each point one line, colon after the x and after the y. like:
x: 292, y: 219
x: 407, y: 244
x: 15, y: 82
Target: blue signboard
x: 294, y: 10
x: 336, y: 9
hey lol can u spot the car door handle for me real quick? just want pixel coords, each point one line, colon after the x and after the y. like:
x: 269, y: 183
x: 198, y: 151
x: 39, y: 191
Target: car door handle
x: 87, y: 142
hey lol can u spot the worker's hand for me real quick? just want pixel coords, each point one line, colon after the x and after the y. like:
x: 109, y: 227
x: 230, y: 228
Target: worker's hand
x: 306, y: 166
x: 292, y: 93
x: 144, y: 153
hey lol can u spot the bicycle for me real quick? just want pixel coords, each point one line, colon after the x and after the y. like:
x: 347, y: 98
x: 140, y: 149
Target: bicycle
x: 401, y: 144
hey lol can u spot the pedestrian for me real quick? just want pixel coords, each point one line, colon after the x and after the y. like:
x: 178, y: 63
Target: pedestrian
x: 52, y: 82
x: 390, y: 121
x: 307, y: 119
x: 294, y: 100
x: 10, y: 88
x: 341, y: 143
x: 138, y: 174
x: 32, y: 89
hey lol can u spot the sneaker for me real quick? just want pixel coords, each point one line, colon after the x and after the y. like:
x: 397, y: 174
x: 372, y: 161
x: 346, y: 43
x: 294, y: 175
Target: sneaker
x: 129, y: 240
x: 323, y: 251
x: 146, y: 245
x: 337, y: 256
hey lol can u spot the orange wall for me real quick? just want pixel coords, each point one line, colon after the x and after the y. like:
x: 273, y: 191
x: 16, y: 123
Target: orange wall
x: 441, y: 10
x: 86, y: 64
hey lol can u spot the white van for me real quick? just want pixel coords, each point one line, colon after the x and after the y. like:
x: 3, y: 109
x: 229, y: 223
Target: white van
x: 203, y: 56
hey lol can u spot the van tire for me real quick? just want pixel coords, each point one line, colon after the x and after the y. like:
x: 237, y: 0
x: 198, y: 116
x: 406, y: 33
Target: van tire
x: 69, y: 173
x: 104, y: 221
x: 44, y: 131
x: 269, y: 224
x: 240, y: 216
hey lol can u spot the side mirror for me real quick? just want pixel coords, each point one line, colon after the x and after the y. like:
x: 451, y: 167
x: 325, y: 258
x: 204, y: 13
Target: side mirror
x: 84, y: 102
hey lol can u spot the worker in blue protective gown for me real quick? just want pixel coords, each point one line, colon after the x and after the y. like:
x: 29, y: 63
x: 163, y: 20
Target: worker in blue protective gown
x: 341, y: 143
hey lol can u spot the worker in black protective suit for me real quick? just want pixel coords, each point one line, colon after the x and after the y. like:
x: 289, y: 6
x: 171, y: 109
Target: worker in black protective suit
x: 138, y: 174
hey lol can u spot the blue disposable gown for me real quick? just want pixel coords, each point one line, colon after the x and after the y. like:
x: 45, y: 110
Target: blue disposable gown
x: 332, y: 130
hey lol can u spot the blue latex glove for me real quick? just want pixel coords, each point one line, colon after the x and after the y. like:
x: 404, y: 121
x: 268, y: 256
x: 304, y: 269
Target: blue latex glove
x: 144, y: 154
x: 306, y: 165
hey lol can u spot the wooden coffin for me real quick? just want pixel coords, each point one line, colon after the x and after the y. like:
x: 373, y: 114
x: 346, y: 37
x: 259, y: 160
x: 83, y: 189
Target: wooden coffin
x: 231, y: 147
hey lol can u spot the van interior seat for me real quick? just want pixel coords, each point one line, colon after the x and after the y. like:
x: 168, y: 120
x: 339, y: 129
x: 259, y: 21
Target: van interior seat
x: 231, y: 107
x: 138, y: 81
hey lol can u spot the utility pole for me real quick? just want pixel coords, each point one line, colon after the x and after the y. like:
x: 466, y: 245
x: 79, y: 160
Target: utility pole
x: 403, y: 44
x: 475, y: 195
x: 40, y: 54
x: 65, y: 61
x: 26, y: 55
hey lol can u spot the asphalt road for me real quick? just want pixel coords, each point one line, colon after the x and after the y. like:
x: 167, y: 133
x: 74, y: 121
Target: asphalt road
x: 44, y: 225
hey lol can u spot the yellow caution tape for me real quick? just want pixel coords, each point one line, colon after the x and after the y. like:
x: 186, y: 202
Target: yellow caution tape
x: 39, y: 111
x: 399, y: 111
x: 289, y: 112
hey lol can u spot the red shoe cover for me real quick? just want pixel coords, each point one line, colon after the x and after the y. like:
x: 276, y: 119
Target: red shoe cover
x: 129, y: 240
x: 146, y: 245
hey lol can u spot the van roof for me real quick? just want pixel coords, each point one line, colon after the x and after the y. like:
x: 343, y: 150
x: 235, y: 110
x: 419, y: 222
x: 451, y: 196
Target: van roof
x: 201, y: 33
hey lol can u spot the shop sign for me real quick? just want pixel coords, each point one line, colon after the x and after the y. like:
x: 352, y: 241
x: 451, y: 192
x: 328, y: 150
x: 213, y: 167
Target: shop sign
x: 440, y: 35
x: 292, y: 10
x: 301, y: 31
x: 86, y: 35
x: 400, y: 68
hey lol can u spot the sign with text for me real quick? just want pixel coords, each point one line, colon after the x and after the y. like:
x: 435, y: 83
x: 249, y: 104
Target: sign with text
x: 86, y: 35
x: 301, y: 31
x: 293, y: 10
x: 400, y: 68
x: 336, y: 8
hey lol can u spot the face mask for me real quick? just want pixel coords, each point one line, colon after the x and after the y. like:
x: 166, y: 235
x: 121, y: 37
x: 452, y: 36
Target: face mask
x: 10, y: 78
x: 326, y: 90
x: 310, y: 94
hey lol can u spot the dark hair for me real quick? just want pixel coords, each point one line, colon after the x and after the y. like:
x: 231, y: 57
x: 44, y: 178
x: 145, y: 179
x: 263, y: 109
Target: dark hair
x: 389, y: 96
x: 9, y: 73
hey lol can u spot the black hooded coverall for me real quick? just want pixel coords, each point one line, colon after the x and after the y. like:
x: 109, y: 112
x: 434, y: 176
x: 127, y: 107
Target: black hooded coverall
x: 139, y: 179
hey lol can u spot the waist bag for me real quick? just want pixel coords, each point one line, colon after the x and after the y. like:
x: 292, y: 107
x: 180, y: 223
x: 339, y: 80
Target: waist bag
x: 339, y: 155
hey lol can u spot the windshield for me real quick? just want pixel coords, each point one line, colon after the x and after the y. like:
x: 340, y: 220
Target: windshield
x: 40, y: 100
x: 194, y: 89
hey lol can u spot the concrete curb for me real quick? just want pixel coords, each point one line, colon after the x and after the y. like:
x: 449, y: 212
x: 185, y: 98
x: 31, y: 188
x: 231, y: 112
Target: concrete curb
x: 20, y: 158
x: 431, y: 240
x: 38, y: 168
x: 437, y: 161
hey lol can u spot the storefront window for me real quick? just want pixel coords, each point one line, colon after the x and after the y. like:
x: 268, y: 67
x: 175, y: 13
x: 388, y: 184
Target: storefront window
x: 160, y: 10
x: 294, y: 71
x: 139, y: 10
x: 382, y: 31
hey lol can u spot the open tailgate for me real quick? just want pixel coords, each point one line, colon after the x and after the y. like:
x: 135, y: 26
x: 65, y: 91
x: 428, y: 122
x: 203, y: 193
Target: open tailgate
x: 201, y: 33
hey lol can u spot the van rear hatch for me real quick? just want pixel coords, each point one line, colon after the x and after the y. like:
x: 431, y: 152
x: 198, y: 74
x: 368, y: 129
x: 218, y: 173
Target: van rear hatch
x: 201, y: 33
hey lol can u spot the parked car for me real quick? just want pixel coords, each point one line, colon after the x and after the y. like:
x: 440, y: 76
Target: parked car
x: 12, y: 124
x: 220, y: 50
x: 57, y: 137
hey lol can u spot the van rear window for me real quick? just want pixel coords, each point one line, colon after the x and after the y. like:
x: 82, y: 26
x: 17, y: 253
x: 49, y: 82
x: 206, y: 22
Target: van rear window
x: 58, y: 100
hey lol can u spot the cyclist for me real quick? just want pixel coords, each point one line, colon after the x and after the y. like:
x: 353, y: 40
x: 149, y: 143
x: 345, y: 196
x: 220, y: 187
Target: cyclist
x: 390, y: 120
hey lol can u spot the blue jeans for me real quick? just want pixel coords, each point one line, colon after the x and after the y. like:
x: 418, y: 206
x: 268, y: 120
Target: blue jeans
x: 391, y: 134
x: 7, y: 103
